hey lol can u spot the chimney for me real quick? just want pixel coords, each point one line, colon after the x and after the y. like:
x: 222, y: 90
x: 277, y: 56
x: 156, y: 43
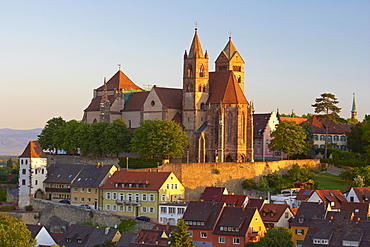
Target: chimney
x: 107, y: 230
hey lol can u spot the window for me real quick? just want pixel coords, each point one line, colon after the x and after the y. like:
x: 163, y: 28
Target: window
x: 332, y: 204
x: 114, y: 207
x: 299, y: 231
x: 151, y: 210
x: 221, y: 240
x: 108, y: 196
x: 143, y: 209
x: 114, y: 196
x: 89, y: 199
x: 236, y: 240
x: 36, y: 182
x: 171, y: 210
x: 95, y: 191
x: 129, y: 209
x: 35, y: 170
x: 122, y: 208
x: 203, y: 234
x: 24, y: 171
x: 151, y: 198
x: 23, y: 181
x: 180, y: 210
x: 286, y: 214
x: 121, y: 196
x: 163, y: 210
x: 82, y: 190
x: 75, y: 199
x: 75, y: 190
x: 79, y: 241
x: 82, y: 199
x: 163, y: 198
x: 107, y: 207
x: 144, y: 197
x: 89, y: 190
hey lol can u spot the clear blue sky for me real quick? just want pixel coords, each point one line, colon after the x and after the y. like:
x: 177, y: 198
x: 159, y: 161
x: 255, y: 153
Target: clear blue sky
x: 54, y: 53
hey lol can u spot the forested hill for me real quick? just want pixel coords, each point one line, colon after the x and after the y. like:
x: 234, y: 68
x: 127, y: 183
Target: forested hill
x: 13, y: 142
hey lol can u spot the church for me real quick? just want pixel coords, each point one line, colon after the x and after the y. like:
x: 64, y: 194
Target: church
x: 211, y: 107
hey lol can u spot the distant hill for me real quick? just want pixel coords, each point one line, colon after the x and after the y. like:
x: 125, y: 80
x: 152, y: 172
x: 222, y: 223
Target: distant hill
x: 13, y: 142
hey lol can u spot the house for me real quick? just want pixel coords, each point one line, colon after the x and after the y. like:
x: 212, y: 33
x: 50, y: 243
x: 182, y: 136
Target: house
x: 32, y: 173
x: 302, y: 221
x: 130, y: 193
x: 358, y: 194
x: 215, y: 224
x: 264, y: 125
x: 86, y: 187
x: 338, y: 232
x: 302, y: 196
x: 85, y: 235
x: 171, y: 212
x: 334, y: 197
x: 211, y: 106
x: 359, y: 209
x: 276, y: 215
x: 151, y: 237
x: 41, y: 235
x: 213, y: 194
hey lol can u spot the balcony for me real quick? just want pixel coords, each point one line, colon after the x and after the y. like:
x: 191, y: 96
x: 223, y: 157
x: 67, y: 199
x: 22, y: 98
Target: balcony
x: 60, y: 190
x: 128, y: 202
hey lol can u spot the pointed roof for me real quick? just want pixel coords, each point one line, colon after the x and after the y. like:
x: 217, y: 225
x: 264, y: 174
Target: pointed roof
x: 224, y: 88
x: 354, y: 109
x: 33, y: 150
x: 230, y: 49
x: 120, y: 81
x: 195, y: 48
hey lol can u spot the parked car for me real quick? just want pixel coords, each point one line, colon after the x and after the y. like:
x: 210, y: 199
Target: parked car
x: 85, y: 206
x: 64, y: 201
x: 143, y: 218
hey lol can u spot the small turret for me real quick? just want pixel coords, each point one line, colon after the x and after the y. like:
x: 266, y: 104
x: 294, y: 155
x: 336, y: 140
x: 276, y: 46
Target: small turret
x: 354, y: 109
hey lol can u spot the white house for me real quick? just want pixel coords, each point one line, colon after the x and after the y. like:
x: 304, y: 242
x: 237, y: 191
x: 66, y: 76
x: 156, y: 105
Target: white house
x: 41, y: 235
x: 32, y: 173
x: 171, y: 212
x: 358, y: 194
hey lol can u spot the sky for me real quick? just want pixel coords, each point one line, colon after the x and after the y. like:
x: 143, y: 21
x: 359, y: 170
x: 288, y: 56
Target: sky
x: 54, y: 53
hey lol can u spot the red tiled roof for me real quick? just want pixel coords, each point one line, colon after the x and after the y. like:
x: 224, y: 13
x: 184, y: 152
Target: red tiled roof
x: 362, y: 193
x: 255, y: 203
x: 33, y: 150
x: 273, y: 212
x: 235, y: 200
x: 170, y: 97
x: 136, y: 102
x: 224, y: 88
x: 154, y: 180
x: 150, y: 236
x: 297, y: 120
x: 207, y: 212
x: 95, y: 103
x: 304, y: 194
x: 120, y: 81
x: 332, y: 196
x: 318, y: 126
x: 213, y: 194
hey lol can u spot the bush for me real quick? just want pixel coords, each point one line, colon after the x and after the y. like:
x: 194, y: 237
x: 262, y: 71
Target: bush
x: 28, y: 208
x: 249, y: 184
x: 7, y: 208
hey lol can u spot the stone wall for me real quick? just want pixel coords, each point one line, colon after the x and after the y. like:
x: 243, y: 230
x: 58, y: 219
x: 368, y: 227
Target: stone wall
x: 196, y: 176
x: 77, y: 159
x: 57, y: 216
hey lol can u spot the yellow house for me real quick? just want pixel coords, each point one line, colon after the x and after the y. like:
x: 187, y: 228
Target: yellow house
x: 130, y: 193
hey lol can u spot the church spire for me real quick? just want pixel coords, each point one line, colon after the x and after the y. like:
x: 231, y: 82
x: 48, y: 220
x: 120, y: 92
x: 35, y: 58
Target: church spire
x: 354, y: 109
x: 230, y: 48
x: 196, y: 48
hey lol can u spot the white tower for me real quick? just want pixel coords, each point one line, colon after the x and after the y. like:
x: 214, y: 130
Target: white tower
x: 32, y: 173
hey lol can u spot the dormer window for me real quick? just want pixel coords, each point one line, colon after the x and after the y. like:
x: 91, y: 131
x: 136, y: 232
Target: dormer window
x: 123, y: 185
x: 68, y: 240
x: 79, y: 241
x: 137, y: 185
x: 300, y: 219
x: 130, y: 185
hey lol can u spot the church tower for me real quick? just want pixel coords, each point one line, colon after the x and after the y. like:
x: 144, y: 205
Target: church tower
x: 230, y: 59
x: 354, y: 109
x: 105, y: 105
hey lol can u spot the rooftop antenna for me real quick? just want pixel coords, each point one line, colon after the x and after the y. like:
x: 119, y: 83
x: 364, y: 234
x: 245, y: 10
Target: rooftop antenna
x: 119, y: 67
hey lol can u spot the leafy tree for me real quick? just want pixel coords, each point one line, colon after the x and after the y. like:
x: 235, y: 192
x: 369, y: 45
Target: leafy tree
x: 159, y: 137
x: 95, y: 137
x: 296, y: 173
x: 11, y: 164
x: 180, y: 237
x: 127, y: 225
x: 275, y: 237
x: 249, y: 184
x: 46, y: 137
x: 309, y: 137
x: 65, y: 137
x: 327, y: 104
x: 14, y: 232
x: 289, y: 138
x: 116, y: 138
x: 355, y: 143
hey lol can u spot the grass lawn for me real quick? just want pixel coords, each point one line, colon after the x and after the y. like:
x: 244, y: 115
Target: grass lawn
x: 328, y: 181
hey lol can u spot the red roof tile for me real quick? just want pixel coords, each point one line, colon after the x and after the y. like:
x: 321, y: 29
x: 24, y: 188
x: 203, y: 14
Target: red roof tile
x: 170, y: 97
x: 297, y: 120
x: 213, y: 194
x: 33, y: 150
x: 120, y: 81
x: 136, y: 102
x: 273, y: 212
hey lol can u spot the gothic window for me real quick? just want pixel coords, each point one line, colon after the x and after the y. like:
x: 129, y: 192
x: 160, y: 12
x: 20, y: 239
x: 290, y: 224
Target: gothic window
x: 244, y: 127
x: 200, y: 88
x: 229, y: 128
x: 201, y: 71
x: 189, y: 71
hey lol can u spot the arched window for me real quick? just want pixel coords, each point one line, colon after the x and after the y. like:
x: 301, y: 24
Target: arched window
x: 229, y: 128
x: 189, y: 71
x: 201, y: 71
x: 239, y: 79
x: 129, y: 123
x: 244, y: 127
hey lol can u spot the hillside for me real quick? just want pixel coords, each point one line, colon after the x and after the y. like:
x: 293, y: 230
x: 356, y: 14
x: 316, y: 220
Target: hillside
x: 13, y: 142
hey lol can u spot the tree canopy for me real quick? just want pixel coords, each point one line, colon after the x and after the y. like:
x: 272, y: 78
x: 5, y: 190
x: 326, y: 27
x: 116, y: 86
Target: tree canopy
x: 275, y: 237
x: 159, y: 137
x: 180, y: 237
x: 289, y: 138
x: 14, y: 232
x: 46, y: 137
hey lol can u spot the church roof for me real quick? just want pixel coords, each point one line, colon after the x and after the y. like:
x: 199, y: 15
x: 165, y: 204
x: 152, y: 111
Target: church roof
x: 33, y: 150
x: 230, y: 49
x: 224, y: 88
x: 136, y: 102
x: 95, y: 103
x: 196, y: 47
x: 120, y: 81
x: 170, y: 97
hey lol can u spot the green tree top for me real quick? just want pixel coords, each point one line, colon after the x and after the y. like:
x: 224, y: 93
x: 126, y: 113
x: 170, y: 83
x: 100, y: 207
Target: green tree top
x: 327, y: 104
x: 159, y: 137
x: 14, y: 232
x: 289, y: 138
x: 180, y: 236
x: 45, y: 139
x: 275, y: 237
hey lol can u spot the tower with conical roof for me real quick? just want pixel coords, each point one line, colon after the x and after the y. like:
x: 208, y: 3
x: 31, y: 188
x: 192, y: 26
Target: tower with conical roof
x: 354, y: 109
x: 32, y: 173
x: 230, y: 59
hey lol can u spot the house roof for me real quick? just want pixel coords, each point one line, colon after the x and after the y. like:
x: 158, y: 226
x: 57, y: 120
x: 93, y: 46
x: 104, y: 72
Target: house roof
x: 170, y: 97
x: 273, y: 212
x: 92, y: 176
x: 362, y: 193
x: 90, y: 235
x: 304, y: 194
x: 95, y: 103
x: 359, y: 209
x: 225, y: 89
x: 34, y: 229
x: 307, y: 211
x: 153, y: 180
x: 235, y: 217
x: 120, y: 81
x: 136, y: 101
x: 195, y: 47
x: 331, y: 196
x: 255, y: 203
x: 33, y: 150
x: 213, y: 194
x: 235, y: 200
x: 151, y: 237
x: 319, y: 126
x: 63, y: 173
x: 297, y: 120
x: 207, y: 212
x: 260, y: 121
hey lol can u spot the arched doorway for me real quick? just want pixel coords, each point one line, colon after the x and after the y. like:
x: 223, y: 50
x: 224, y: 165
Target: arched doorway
x: 229, y: 158
x: 39, y: 194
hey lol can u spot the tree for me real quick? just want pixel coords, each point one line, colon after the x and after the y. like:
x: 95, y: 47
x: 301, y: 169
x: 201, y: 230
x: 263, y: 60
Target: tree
x: 127, y: 225
x: 116, y: 138
x: 289, y: 138
x: 159, y: 137
x: 326, y: 104
x: 65, y: 137
x: 249, y: 184
x: 180, y: 237
x: 45, y: 139
x: 355, y: 142
x: 309, y: 137
x: 275, y: 237
x: 14, y: 232
x: 11, y: 164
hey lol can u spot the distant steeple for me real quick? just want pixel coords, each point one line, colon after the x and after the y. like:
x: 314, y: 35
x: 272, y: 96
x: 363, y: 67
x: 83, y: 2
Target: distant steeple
x: 354, y: 109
